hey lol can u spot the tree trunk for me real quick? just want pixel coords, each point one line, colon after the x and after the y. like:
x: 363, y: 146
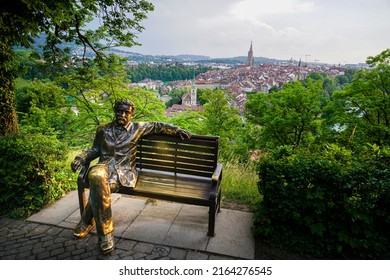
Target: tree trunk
x: 8, y: 117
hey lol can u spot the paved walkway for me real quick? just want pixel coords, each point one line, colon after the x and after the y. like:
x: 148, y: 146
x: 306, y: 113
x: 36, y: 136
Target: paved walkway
x: 144, y: 229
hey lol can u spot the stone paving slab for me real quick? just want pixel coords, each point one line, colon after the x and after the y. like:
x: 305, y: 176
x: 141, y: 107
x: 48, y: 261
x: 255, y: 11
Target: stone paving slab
x: 125, y: 211
x: 59, y: 211
x: 163, y: 223
x: 153, y: 223
x: 233, y: 235
x: 189, y: 229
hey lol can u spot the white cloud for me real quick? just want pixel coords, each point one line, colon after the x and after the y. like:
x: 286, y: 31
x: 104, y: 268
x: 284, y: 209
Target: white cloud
x: 256, y: 8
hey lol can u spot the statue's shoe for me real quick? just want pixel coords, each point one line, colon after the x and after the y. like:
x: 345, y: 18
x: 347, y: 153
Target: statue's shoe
x: 106, y: 243
x: 82, y: 229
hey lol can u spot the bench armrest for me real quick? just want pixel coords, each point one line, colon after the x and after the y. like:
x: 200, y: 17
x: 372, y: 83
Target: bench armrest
x: 217, y: 175
x: 81, y: 179
x: 216, y: 181
x: 81, y: 185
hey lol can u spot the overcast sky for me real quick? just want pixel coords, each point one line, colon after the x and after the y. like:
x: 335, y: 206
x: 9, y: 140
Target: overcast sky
x: 330, y: 31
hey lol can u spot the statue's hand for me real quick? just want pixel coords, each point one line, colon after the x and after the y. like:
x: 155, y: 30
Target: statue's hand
x: 77, y: 163
x: 183, y: 133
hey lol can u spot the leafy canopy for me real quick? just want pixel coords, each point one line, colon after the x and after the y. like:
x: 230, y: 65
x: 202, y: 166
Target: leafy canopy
x: 289, y: 116
x: 117, y: 22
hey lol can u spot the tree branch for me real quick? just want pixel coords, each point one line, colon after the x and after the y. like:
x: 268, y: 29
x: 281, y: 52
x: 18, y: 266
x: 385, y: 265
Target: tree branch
x: 85, y: 40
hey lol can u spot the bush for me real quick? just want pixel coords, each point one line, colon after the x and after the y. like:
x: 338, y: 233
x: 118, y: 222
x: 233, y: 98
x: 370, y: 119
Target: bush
x: 330, y: 205
x: 32, y: 173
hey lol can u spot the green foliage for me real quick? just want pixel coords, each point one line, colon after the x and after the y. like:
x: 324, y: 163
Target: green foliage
x: 62, y: 21
x: 148, y: 106
x: 220, y: 118
x: 330, y: 205
x: 291, y: 116
x: 30, y: 66
x: 164, y: 73
x: 42, y: 107
x: 175, y: 95
x: 32, y: 173
x: 363, y: 107
x: 93, y: 90
x: 192, y: 121
x: 66, y: 21
x: 248, y: 140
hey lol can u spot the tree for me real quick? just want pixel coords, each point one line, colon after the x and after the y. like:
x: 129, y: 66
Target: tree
x: 148, y: 106
x: 221, y: 118
x: 62, y: 21
x: 363, y: 107
x: 329, y: 83
x: 290, y: 116
x: 192, y: 121
x: 42, y: 107
x: 93, y: 90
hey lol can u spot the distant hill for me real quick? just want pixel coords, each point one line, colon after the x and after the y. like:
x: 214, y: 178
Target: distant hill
x: 137, y: 57
x: 240, y: 60
x: 190, y: 57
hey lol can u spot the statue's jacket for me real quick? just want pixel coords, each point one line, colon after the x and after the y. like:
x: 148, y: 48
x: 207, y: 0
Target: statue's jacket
x: 116, y: 147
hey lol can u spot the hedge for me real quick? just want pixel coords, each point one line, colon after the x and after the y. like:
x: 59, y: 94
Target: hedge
x: 327, y: 207
x: 32, y: 173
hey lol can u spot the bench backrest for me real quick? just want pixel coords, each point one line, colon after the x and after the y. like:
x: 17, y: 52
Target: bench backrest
x: 195, y: 156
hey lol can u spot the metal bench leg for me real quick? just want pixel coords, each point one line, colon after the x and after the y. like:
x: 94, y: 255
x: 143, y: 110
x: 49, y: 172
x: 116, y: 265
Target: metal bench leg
x: 219, y: 201
x: 82, y: 199
x: 212, y: 212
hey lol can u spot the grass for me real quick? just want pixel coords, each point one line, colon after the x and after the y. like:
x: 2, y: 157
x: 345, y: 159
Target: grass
x: 239, y: 183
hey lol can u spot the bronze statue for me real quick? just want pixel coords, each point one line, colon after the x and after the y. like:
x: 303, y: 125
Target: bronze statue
x: 115, y: 145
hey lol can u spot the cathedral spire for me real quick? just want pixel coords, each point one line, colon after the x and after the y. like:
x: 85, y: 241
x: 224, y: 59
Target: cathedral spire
x: 250, y: 57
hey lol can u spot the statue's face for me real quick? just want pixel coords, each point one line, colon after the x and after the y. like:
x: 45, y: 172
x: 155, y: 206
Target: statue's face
x: 123, y: 114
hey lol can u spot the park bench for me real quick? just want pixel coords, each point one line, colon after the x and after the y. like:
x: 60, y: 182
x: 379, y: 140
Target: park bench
x: 174, y: 169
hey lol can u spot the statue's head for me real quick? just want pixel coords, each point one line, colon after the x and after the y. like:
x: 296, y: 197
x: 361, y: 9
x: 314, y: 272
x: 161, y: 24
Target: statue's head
x: 124, y: 111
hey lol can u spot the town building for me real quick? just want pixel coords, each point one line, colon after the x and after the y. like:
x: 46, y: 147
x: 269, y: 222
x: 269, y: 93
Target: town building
x: 189, y: 101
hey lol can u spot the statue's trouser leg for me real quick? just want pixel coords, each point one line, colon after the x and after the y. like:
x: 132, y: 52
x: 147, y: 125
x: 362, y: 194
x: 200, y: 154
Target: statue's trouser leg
x: 100, y: 199
x: 87, y: 214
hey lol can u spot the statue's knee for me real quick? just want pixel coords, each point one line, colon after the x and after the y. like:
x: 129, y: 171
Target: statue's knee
x: 97, y: 175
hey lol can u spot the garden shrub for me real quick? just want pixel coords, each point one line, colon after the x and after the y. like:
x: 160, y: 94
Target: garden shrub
x: 331, y: 206
x: 32, y: 173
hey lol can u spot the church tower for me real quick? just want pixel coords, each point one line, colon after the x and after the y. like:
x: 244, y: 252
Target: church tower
x: 193, y: 93
x: 250, y: 57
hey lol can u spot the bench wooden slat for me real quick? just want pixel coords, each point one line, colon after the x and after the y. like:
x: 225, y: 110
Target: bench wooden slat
x: 178, y: 165
x: 177, y: 170
x: 194, y: 140
x: 146, y: 151
x: 181, y: 145
x: 164, y: 147
x: 179, y: 159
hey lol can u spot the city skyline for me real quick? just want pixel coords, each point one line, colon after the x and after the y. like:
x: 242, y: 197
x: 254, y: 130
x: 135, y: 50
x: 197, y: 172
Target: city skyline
x: 331, y: 31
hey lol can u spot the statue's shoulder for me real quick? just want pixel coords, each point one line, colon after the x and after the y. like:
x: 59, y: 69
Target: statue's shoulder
x: 106, y: 126
x: 140, y: 124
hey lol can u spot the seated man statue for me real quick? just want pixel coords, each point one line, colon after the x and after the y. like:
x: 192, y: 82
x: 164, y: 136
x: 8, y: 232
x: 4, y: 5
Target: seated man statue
x: 115, y: 145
